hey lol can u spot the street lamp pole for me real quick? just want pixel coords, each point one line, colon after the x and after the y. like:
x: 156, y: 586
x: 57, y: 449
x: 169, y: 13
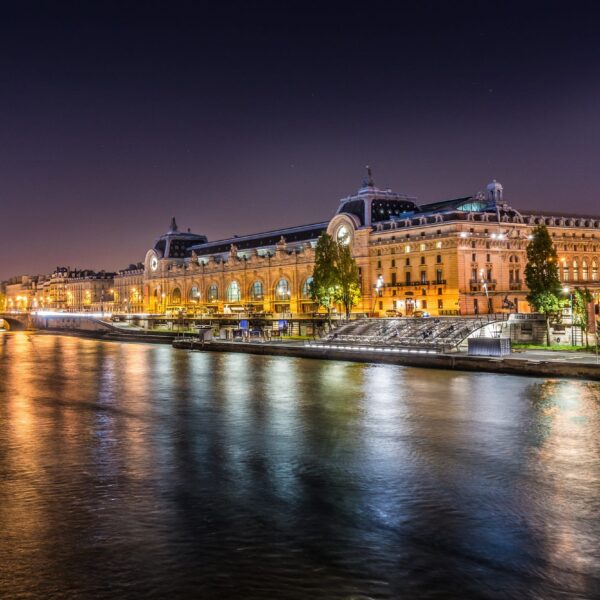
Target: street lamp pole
x: 378, y: 286
x: 485, y: 289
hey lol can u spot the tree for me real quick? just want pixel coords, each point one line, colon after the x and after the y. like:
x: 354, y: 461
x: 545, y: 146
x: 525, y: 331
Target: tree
x: 335, y: 276
x: 322, y: 287
x: 347, y: 288
x: 541, y: 276
x: 2, y: 302
x: 581, y: 314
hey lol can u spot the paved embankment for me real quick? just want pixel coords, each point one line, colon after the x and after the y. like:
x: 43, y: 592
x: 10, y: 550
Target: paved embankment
x: 538, y: 364
x: 459, y: 362
x: 163, y: 337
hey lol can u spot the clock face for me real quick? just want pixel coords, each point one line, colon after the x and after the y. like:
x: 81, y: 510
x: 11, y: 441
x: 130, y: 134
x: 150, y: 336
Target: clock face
x: 343, y: 235
x: 154, y: 263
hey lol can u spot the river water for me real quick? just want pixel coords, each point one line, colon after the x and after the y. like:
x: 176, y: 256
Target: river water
x: 139, y: 471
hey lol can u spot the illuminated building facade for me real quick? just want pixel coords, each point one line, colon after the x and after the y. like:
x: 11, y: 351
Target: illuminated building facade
x: 456, y: 257
x: 63, y: 290
x: 129, y: 289
x: 463, y: 256
x: 89, y: 291
x: 22, y: 292
x: 54, y: 292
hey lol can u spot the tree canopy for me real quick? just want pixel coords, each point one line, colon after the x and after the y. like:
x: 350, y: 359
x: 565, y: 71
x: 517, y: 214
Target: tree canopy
x: 581, y: 310
x: 323, y: 284
x: 347, y: 288
x: 335, y: 276
x: 541, y: 276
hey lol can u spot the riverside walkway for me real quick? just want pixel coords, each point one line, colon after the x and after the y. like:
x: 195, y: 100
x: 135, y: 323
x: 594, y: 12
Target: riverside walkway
x: 537, y: 363
x: 388, y: 347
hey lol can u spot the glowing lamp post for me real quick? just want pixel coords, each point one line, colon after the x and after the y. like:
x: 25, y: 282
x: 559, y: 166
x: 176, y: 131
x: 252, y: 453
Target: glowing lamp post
x: 378, y: 286
x: 485, y: 288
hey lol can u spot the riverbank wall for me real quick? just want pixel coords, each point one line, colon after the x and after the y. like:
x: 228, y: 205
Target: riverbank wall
x: 453, y: 362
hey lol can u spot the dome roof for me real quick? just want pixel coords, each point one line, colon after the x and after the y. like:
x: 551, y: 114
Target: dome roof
x: 175, y: 243
x: 494, y: 185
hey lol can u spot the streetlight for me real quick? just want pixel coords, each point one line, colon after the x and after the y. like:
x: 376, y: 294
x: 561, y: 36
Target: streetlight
x: 485, y: 289
x: 567, y: 290
x: 378, y: 286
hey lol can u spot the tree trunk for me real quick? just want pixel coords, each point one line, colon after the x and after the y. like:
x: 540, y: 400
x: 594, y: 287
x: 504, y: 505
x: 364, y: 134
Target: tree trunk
x: 547, y: 330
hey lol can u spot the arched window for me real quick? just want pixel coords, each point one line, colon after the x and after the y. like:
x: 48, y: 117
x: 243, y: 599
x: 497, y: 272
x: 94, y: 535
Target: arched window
x: 575, y: 271
x: 233, y: 292
x: 594, y: 271
x: 565, y: 271
x: 306, y: 288
x: 282, y: 290
x: 585, y: 272
x: 194, y: 294
x: 256, y: 291
x: 176, y: 296
x: 212, y: 293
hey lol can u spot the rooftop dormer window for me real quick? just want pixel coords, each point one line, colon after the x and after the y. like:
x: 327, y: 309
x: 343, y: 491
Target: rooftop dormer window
x: 473, y: 206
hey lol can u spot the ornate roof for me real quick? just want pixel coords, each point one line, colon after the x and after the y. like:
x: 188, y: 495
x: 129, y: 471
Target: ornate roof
x: 303, y: 233
x: 175, y: 243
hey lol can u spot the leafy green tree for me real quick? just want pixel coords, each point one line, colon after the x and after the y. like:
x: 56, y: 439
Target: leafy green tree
x: 347, y: 288
x: 581, y: 314
x: 322, y: 287
x: 335, y: 276
x: 541, y: 276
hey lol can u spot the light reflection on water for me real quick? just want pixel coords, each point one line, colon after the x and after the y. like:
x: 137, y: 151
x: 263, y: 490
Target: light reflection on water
x: 138, y: 471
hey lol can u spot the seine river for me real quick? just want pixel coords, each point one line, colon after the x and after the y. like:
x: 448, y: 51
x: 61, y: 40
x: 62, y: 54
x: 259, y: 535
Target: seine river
x: 139, y: 471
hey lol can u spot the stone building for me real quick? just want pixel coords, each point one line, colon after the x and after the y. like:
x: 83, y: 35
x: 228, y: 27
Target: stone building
x: 53, y: 293
x: 89, y: 291
x: 129, y: 289
x: 64, y: 289
x: 22, y: 292
x: 461, y: 256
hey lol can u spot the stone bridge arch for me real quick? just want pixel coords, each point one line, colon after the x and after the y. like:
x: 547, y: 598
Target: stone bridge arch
x: 13, y: 323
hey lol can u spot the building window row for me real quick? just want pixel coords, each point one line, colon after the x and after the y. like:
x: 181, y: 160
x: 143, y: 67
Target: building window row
x: 573, y: 272
x: 233, y: 292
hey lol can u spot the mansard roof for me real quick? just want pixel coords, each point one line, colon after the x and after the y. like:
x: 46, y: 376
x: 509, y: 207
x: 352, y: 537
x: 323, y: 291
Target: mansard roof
x: 175, y: 243
x: 446, y: 205
x: 303, y: 233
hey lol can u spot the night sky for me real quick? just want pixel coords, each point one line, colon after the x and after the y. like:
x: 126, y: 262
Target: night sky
x: 239, y: 117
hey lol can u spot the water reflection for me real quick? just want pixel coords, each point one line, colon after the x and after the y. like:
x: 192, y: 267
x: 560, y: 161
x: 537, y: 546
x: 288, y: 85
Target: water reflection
x: 140, y: 471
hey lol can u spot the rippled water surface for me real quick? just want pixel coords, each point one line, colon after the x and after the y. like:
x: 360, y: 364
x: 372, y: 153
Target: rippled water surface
x: 139, y: 471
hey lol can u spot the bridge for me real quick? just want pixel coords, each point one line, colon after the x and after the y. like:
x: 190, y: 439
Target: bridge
x: 438, y: 334
x: 15, y: 321
x: 57, y: 322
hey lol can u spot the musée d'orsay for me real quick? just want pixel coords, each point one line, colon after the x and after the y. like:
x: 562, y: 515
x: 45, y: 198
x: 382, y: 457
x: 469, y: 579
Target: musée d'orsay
x: 462, y: 256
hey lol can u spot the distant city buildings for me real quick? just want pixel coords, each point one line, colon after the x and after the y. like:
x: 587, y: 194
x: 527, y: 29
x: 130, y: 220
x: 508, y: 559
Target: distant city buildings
x: 64, y: 290
x: 461, y: 256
